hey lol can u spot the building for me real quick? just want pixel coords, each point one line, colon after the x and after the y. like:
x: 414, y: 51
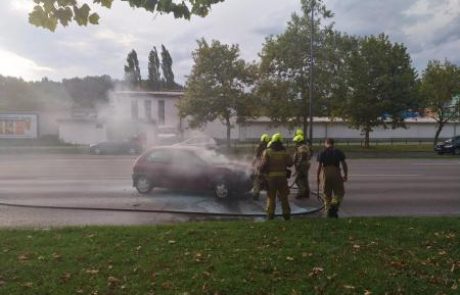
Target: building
x: 155, y: 117
x: 130, y: 114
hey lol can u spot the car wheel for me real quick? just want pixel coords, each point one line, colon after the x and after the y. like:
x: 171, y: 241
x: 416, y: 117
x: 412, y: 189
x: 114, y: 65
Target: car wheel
x: 221, y: 190
x: 143, y: 185
x: 132, y: 151
x: 98, y: 151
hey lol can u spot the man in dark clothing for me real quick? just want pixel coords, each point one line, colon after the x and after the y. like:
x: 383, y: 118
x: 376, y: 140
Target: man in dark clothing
x: 259, y: 178
x: 330, y: 177
x: 275, y: 162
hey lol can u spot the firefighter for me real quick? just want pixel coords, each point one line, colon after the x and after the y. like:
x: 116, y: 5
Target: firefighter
x: 301, y: 159
x: 329, y: 176
x: 275, y: 161
x: 259, y: 179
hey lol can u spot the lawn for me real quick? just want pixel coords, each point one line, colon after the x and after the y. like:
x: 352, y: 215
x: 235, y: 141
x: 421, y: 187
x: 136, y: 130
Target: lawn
x: 304, y: 256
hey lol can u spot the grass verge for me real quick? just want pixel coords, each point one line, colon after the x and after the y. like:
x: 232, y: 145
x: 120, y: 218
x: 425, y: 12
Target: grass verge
x: 314, y: 256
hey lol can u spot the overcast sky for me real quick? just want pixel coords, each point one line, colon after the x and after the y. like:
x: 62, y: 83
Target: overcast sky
x: 429, y: 28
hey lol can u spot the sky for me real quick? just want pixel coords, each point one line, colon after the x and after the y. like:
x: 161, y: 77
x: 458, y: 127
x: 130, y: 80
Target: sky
x: 430, y: 29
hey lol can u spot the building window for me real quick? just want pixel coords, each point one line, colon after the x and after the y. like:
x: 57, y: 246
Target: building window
x: 134, y: 110
x: 161, y: 112
x: 148, y: 109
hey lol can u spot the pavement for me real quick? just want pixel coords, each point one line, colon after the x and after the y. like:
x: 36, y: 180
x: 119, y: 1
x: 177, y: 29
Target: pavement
x: 376, y: 187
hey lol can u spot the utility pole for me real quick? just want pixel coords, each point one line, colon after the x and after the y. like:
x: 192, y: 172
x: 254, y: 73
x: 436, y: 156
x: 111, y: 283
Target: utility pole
x: 310, y: 104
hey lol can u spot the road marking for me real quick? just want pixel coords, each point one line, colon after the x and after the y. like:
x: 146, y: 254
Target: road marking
x: 437, y: 164
x: 385, y: 175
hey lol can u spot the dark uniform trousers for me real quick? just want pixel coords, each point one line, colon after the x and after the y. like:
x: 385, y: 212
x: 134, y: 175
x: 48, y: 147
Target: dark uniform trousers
x: 332, y: 187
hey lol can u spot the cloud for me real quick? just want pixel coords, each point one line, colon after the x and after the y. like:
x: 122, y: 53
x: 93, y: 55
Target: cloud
x: 430, y: 29
x: 18, y: 66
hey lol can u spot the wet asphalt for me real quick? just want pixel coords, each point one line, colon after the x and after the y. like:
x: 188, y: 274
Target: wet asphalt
x: 376, y: 187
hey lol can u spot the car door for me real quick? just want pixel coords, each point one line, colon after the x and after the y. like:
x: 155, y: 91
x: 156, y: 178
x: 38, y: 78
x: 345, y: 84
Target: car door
x: 158, y: 168
x: 187, y: 170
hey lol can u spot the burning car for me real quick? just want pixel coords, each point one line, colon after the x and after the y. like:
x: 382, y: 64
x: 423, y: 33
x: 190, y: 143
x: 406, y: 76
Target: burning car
x: 192, y: 169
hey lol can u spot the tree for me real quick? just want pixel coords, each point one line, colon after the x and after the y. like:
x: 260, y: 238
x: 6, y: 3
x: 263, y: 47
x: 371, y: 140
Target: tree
x: 380, y: 85
x: 49, y: 14
x: 132, y: 70
x: 218, y: 86
x: 166, y: 67
x: 154, y: 70
x: 89, y: 92
x: 285, y: 68
x: 440, y: 84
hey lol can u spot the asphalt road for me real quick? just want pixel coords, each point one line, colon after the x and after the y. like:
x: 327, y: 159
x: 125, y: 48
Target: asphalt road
x: 376, y: 187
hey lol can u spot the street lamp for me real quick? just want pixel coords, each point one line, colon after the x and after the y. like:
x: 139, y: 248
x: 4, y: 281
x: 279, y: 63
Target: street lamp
x: 310, y: 103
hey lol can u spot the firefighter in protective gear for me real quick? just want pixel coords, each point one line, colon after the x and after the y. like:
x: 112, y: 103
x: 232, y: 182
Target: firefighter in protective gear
x: 259, y: 178
x: 329, y: 176
x: 299, y: 132
x: 301, y: 159
x: 275, y: 162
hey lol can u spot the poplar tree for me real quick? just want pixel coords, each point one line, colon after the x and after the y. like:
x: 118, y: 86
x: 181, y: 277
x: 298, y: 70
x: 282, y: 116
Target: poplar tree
x: 132, y: 70
x: 154, y: 70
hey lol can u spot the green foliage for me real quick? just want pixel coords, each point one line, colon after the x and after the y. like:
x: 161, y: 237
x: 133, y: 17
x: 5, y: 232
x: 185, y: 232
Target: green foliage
x: 132, y: 70
x: 314, y: 256
x: 17, y: 95
x: 380, y: 85
x: 166, y: 67
x: 49, y: 13
x: 219, y: 86
x: 154, y: 81
x: 440, y: 84
x: 285, y: 68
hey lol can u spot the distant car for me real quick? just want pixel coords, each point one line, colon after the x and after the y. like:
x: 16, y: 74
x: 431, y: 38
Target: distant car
x: 190, y: 169
x: 199, y: 141
x: 116, y: 147
x: 450, y: 146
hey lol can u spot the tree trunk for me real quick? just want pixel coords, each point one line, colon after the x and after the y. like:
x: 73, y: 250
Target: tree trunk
x: 438, y: 131
x: 229, y: 129
x: 366, y: 137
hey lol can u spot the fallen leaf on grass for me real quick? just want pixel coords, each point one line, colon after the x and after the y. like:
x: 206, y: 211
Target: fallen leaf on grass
x: 23, y: 257
x: 316, y: 271
x: 57, y: 256
x: 350, y: 287
x: 289, y: 258
x: 28, y: 285
x: 367, y: 292
x: 171, y: 242
x: 452, y: 269
x: 92, y: 271
x: 454, y: 286
x: 356, y: 246
x: 66, y: 277
x: 2, y: 283
x: 112, y: 281
x: 442, y: 253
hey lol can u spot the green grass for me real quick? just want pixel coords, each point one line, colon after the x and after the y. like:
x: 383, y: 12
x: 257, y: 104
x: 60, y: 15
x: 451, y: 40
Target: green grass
x: 309, y: 256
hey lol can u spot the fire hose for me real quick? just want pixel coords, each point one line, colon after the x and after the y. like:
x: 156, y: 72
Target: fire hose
x: 160, y: 211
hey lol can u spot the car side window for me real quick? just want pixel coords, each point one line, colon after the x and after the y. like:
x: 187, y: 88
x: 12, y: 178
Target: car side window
x: 187, y: 159
x: 159, y: 157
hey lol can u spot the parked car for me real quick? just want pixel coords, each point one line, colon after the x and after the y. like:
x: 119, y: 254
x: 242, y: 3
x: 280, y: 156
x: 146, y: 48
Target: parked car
x: 450, y: 146
x: 199, y: 141
x: 116, y: 147
x: 190, y: 169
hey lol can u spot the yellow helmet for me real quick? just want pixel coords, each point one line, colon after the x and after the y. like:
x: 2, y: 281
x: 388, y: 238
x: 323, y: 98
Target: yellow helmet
x: 299, y: 132
x: 298, y: 138
x: 265, y: 138
x: 277, y: 137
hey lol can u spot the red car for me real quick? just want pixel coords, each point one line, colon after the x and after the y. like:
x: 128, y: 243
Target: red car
x: 192, y: 169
